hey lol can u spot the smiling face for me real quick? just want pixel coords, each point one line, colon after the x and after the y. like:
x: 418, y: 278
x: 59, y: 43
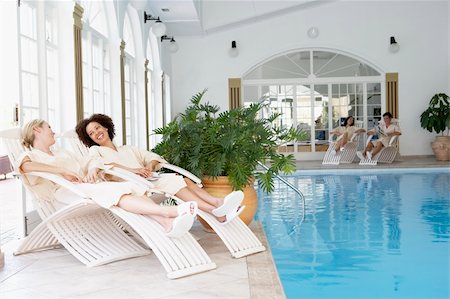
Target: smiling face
x: 97, y: 133
x: 350, y: 121
x: 387, y: 120
x: 45, y: 134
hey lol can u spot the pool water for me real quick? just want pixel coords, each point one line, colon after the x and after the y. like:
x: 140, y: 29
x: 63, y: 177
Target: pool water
x: 363, y: 236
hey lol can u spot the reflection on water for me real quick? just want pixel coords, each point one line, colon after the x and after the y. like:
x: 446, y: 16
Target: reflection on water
x: 357, y: 230
x: 436, y: 207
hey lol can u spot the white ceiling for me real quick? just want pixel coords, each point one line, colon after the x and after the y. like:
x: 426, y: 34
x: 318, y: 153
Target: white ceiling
x: 200, y: 17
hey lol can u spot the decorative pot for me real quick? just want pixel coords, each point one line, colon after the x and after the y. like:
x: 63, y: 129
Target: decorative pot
x: 220, y: 187
x: 441, y: 148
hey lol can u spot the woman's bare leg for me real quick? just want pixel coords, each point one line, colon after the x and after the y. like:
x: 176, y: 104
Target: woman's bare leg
x: 203, y: 194
x: 369, y: 147
x: 164, y: 215
x: 186, y: 194
x: 377, y: 149
x: 144, y: 205
x: 341, y: 142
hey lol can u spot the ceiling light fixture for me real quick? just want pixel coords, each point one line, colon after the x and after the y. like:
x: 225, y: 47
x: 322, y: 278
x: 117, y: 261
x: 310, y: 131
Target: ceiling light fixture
x: 233, y: 52
x: 173, y: 46
x: 159, y: 29
x: 393, y: 45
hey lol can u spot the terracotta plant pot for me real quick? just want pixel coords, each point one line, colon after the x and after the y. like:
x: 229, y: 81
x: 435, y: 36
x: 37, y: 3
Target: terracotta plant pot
x: 220, y: 187
x: 441, y: 148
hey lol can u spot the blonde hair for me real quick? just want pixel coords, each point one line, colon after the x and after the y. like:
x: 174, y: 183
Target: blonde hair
x: 28, y: 134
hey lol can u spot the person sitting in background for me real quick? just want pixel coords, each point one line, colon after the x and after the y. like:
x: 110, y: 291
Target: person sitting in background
x: 97, y: 133
x: 39, y: 137
x: 344, y: 133
x: 385, y: 130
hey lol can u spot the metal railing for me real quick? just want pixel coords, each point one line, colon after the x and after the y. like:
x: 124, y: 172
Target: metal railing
x: 302, y: 197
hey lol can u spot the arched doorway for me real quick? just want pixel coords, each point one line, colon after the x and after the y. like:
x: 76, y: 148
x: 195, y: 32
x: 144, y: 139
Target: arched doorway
x: 314, y: 89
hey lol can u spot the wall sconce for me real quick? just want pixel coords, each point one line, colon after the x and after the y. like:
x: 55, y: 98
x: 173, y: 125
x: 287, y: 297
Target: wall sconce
x: 173, y: 46
x: 393, y: 46
x: 159, y: 29
x: 233, y: 52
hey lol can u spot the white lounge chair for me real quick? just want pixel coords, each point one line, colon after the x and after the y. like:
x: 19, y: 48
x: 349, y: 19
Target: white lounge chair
x: 386, y: 155
x: 346, y: 155
x: 236, y: 235
x: 96, y: 236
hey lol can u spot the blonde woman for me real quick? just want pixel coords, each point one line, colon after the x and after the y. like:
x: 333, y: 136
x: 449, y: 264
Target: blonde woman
x: 38, y: 136
x: 97, y: 133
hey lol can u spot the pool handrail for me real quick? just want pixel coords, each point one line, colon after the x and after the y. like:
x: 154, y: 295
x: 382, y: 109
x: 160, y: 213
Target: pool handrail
x: 289, y: 185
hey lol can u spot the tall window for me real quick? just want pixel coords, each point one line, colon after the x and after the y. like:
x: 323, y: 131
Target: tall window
x: 314, y: 91
x: 96, y: 60
x: 151, y: 96
x: 38, y: 64
x: 52, y: 69
x: 29, y: 63
x: 131, y: 120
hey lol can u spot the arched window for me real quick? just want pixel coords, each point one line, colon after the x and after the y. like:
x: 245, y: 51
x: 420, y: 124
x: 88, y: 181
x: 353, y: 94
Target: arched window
x: 131, y: 120
x: 96, y: 60
x: 38, y: 45
x: 315, y: 90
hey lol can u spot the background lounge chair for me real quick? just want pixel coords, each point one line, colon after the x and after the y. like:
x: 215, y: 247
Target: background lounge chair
x: 346, y: 155
x: 387, y: 154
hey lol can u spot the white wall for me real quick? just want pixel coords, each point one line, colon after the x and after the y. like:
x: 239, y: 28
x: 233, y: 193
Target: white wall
x: 361, y: 29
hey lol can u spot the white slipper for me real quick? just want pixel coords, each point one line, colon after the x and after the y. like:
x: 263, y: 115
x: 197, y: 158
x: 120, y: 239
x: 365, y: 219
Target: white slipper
x: 233, y: 214
x: 185, y: 219
x: 231, y: 202
x: 360, y: 155
x: 369, y: 155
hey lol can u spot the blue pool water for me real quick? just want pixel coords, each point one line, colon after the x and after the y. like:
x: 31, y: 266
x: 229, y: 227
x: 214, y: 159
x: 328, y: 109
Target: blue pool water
x: 371, y: 235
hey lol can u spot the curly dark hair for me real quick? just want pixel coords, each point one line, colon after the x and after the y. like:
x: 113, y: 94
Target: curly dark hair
x: 102, y: 119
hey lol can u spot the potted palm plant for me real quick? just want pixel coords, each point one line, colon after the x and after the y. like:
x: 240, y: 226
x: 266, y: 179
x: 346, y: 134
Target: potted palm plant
x: 437, y: 118
x: 224, y: 148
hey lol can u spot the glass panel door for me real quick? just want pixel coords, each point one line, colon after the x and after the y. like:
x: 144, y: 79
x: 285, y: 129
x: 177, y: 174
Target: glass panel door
x: 320, y: 116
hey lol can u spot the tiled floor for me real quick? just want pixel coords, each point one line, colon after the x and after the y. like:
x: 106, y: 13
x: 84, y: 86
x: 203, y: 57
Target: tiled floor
x: 56, y: 274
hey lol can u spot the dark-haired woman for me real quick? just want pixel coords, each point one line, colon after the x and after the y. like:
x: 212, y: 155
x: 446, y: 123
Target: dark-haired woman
x: 97, y: 133
x: 344, y: 133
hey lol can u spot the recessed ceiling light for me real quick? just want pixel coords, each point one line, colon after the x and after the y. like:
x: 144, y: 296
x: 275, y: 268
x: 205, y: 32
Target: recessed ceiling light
x: 165, y: 9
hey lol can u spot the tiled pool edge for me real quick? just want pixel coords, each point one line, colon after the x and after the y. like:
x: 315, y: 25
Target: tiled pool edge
x: 263, y: 278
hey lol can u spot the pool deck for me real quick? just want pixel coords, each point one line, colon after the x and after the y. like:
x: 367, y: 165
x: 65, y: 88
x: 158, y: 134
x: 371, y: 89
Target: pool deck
x: 56, y: 274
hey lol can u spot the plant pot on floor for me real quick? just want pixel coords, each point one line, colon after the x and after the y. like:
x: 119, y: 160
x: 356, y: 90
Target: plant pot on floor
x: 220, y: 187
x: 441, y: 148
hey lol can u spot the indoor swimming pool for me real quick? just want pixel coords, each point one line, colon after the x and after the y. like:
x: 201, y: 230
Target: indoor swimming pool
x: 370, y: 235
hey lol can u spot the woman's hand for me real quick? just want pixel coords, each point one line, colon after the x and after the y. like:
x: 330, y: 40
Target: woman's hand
x: 71, y: 176
x: 370, y: 133
x: 92, y: 176
x: 152, y: 165
x: 144, y: 172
